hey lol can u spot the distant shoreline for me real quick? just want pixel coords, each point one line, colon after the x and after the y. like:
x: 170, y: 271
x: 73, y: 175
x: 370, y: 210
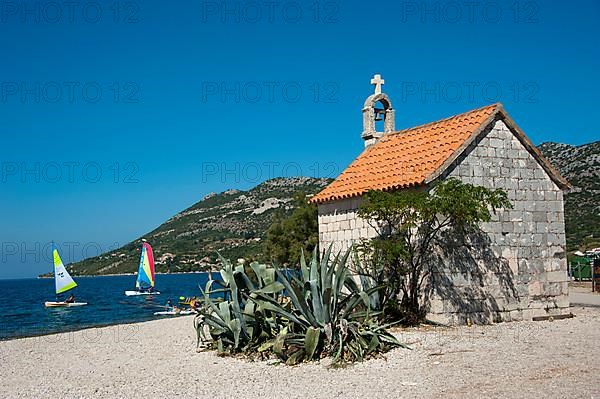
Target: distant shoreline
x: 124, y: 274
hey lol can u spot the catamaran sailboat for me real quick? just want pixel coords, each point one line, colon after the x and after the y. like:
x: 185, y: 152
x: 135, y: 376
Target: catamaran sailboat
x: 145, y: 276
x: 62, y: 281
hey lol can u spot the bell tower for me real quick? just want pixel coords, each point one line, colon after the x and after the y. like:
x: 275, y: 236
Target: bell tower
x: 377, y: 107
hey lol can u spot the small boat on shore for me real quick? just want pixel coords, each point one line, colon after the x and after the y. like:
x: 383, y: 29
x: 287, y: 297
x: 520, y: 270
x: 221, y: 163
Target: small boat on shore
x: 144, y: 283
x: 184, y: 312
x: 63, y: 282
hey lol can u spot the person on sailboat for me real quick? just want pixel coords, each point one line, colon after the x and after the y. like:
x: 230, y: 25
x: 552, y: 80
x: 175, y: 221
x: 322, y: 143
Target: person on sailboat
x: 169, y: 306
x: 70, y: 299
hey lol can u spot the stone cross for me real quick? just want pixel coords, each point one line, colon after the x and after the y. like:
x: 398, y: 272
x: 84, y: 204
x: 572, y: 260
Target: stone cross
x: 377, y: 82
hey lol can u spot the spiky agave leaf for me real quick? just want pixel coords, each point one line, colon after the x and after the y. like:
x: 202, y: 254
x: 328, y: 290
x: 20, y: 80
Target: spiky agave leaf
x: 311, y: 341
x: 298, y: 298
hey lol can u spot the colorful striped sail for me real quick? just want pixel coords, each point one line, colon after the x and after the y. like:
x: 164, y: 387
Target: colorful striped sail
x: 145, y: 277
x: 62, y: 279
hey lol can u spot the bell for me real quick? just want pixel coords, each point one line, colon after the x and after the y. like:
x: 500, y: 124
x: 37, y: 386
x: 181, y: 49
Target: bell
x: 378, y: 114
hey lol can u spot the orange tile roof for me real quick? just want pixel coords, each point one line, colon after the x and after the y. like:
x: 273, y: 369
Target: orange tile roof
x: 411, y: 157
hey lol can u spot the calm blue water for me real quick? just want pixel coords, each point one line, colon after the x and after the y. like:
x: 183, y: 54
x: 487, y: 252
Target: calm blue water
x: 22, y: 311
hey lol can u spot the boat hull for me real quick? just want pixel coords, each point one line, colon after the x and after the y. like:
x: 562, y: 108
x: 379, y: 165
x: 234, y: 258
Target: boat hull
x: 64, y: 304
x: 174, y: 313
x: 136, y: 293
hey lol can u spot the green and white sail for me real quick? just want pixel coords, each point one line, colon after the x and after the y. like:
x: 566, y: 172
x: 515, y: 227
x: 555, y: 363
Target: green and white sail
x: 63, y: 281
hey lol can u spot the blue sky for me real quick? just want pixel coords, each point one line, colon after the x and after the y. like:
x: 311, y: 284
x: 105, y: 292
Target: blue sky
x: 116, y: 115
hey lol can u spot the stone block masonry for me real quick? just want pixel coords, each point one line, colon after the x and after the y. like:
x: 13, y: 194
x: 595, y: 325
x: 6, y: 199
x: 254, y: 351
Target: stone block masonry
x: 526, y: 272
x: 340, y: 226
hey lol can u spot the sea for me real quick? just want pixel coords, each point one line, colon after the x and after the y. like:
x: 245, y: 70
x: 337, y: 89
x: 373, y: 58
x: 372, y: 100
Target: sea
x: 22, y: 311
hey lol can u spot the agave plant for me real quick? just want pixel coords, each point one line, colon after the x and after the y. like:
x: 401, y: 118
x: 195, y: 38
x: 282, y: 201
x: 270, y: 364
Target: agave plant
x: 233, y: 323
x: 317, y: 311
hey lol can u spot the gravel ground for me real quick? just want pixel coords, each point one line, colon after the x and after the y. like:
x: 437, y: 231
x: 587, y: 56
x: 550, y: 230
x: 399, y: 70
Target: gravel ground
x: 157, y: 359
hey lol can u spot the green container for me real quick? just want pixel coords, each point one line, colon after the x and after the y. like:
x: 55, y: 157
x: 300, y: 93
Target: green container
x: 581, y: 270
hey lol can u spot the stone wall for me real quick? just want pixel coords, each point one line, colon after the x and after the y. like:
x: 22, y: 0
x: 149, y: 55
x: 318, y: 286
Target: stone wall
x: 517, y: 269
x: 339, y: 225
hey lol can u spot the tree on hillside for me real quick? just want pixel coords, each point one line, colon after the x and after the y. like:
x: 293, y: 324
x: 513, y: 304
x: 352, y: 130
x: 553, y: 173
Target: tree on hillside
x: 408, y: 223
x: 288, y: 236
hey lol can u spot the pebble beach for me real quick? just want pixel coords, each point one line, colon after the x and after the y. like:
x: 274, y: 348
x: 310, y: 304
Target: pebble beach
x: 158, y: 359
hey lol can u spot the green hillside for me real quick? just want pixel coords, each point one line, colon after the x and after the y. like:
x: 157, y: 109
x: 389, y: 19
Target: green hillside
x: 233, y: 222
x: 581, y: 167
